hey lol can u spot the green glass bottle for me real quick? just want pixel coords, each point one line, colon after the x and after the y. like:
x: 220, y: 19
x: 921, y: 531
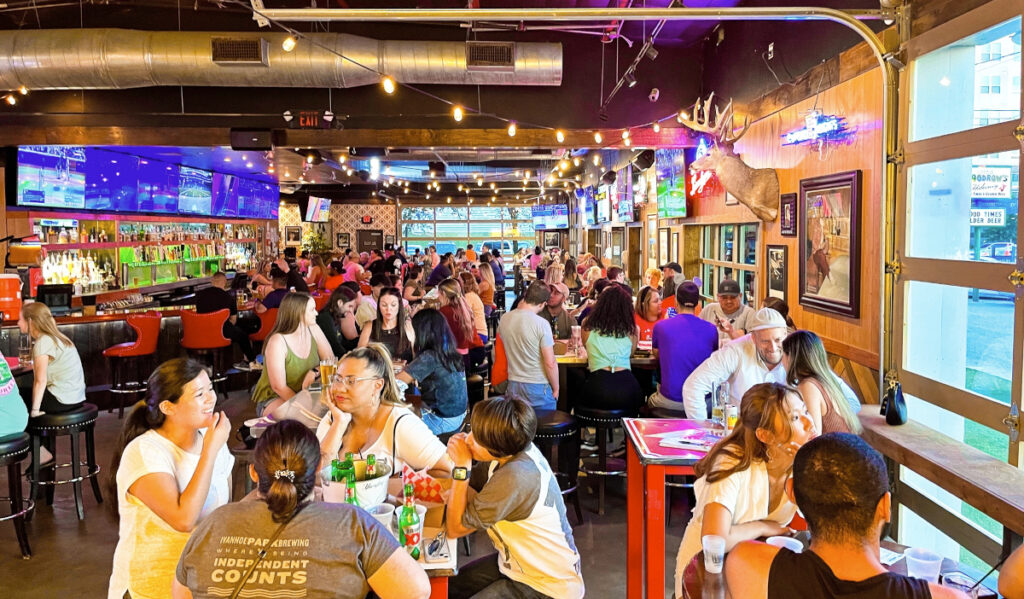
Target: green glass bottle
x: 336, y: 471
x: 350, y: 490
x: 409, y: 529
x: 371, y: 466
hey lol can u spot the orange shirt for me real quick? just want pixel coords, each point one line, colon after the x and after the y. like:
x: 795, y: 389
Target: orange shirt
x: 666, y: 303
x: 331, y: 283
x: 646, y: 327
x: 471, y: 255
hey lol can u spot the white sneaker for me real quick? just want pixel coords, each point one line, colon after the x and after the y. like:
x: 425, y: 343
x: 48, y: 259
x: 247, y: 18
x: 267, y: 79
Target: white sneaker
x: 243, y: 366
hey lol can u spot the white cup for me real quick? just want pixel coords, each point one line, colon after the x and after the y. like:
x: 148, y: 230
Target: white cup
x: 383, y: 513
x: 421, y: 511
x: 924, y: 564
x: 788, y: 542
x: 714, y: 553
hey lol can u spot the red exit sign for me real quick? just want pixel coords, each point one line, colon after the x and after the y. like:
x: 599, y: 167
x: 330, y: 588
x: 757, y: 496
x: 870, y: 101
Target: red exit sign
x: 367, y: 220
x: 309, y: 119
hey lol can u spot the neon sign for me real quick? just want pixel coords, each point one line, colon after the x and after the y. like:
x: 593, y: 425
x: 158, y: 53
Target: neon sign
x: 818, y: 127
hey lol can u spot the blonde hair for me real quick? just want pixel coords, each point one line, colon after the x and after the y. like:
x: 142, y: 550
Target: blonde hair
x: 378, y: 360
x: 554, y: 274
x: 653, y: 276
x: 593, y: 274
x: 487, y: 274
x: 39, y: 317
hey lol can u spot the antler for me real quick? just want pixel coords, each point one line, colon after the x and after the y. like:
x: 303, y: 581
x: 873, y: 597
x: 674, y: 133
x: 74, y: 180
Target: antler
x: 696, y: 123
x: 721, y: 127
x: 726, y: 134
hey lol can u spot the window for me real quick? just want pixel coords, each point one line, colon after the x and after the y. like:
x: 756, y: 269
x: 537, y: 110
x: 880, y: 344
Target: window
x: 449, y: 227
x: 991, y: 84
x: 729, y: 252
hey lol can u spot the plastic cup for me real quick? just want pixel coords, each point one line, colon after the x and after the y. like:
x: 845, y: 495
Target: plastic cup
x: 383, y: 513
x: 788, y: 542
x: 714, y: 553
x: 923, y: 564
x: 421, y: 511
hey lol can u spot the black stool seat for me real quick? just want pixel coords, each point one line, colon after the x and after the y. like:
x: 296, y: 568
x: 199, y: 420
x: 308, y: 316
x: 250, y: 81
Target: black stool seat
x: 604, y: 420
x: 595, y: 415
x: 474, y: 389
x: 74, y: 419
x: 558, y: 438
x: 13, y: 449
x: 555, y: 423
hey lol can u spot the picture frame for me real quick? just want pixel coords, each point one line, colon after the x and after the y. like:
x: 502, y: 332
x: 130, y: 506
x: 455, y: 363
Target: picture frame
x: 389, y: 239
x: 343, y: 240
x: 292, y: 236
x: 787, y: 215
x: 829, y: 242
x: 551, y: 239
x: 777, y: 271
x: 663, y: 237
x: 675, y: 247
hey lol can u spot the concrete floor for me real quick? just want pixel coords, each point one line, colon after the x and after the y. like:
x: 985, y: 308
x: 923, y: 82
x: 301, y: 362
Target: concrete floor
x: 72, y: 558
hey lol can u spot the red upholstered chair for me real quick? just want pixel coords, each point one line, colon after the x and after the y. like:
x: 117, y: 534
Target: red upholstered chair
x: 321, y: 300
x: 203, y: 335
x: 267, y: 320
x: 135, y: 359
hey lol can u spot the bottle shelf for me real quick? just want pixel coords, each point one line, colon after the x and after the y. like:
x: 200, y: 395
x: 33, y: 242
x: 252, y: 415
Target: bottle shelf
x: 113, y: 245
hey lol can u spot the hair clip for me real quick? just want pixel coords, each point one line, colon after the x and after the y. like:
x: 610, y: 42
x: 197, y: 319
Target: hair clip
x: 289, y: 474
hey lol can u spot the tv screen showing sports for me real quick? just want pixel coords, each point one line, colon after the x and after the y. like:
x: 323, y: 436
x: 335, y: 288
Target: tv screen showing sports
x: 225, y: 192
x: 195, y: 191
x: 550, y: 216
x: 590, y: 208
x: 318, y: 210
x: 604, y: 203
x: 623, y: 197
x: 158, y: 187
x: 51, y: 176
x: 269, y: 200
x: 671, y: 174
x: 111, y: 181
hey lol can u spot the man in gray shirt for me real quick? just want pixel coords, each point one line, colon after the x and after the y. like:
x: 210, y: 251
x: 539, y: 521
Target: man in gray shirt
x: 532, y: 369
x: 729, y: 313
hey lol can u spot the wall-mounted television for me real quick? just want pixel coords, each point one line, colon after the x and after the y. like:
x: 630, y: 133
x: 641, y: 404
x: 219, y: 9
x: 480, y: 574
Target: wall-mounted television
x: 76, y: 178
x: 671, y: 169
x: 547, y: 217
x: 604, y: 203
x: 590, y: 206
x: 318, y: 210
x: 623, y: 197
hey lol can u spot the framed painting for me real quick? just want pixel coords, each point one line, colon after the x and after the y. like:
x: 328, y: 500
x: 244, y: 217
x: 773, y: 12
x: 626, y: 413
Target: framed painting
x: 663, y: 237
x: 829, y: 239
x: 675, y: 247
x: 293, y: 236
x: 343, y: 240
x: 551, y: 239
x: 778, y: 271
x: 787, y: 215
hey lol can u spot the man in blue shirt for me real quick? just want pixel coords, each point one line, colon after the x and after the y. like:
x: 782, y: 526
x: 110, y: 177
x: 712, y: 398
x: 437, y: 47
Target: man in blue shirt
x: 681, y: 344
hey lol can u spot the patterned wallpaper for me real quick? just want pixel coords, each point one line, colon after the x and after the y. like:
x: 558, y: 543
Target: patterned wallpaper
x: 345, y: 218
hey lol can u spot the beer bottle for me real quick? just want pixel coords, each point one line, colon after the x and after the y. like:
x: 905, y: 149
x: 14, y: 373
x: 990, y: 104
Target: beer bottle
x: 409, y: 529
x: 336, y: 471
x: 371, y: 466
x: 350, y: 489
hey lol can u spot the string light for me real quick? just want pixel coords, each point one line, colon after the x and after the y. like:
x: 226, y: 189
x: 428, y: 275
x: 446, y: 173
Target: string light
x: 449, y: 199
x: 527, y: 174
x: 564, y: 164
x: 512, y: 129
x: 597, y: 137
x: 681, y: 116
x: 560, y: 135
x: 289, y: 43
x: 11, y: 99
x: 576, y: 161
x: 597, y: 159
x: 656, y: 127
x: 627, y: 143
x: 23, y: 90
x: 625, y: 134
x: 479, y: 182
x: 388, y: 83
x: 493, y: 185
x: 457, y: 113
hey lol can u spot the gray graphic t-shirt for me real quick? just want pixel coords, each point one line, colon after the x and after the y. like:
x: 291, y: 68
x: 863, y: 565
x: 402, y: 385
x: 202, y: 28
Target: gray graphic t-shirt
x: 327, y: 550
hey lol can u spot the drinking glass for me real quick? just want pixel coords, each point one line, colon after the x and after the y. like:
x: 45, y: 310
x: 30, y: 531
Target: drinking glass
x: 714, y: 553
x: 327, y: 368
x: 25, y: 349
x: 924, y: 564
x: 719, y: 403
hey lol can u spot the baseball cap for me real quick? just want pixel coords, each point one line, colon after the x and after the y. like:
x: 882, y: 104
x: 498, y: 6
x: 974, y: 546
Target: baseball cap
x: 687, y: 294
x: 767, y: 318
x: 729, y: 287
x: 673, y: 265
x: 561, y: 288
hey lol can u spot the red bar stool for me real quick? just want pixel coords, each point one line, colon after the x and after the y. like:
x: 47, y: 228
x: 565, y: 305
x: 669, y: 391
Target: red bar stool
x: 203, y: 335
x: 139, y: 353
x: 267, y: 320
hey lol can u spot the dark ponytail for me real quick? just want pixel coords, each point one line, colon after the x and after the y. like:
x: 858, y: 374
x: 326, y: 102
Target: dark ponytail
x: 167, y: 383
x: 286, y: 459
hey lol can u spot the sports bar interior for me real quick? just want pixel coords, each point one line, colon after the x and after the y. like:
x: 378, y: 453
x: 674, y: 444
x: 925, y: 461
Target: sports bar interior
x: 816, y: 391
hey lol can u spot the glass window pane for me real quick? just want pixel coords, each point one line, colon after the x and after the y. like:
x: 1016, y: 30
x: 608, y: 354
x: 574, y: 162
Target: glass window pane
x: 727, y: 244
x: 748, y: 288
x: 954, y: 85
x: 418, y: 213
x: 458, y: 230
x: 484, y: 213
x: 522, y: 229
x: 417, y: 230
x: 964, y: 209
x: 709, y: 248
x: 710, y: 282
x: 485, y: 229
x: 517, y: 213
x: 726, y: 273
x: 961, y: 337
x: 452, y: 213
x: 748, y: 234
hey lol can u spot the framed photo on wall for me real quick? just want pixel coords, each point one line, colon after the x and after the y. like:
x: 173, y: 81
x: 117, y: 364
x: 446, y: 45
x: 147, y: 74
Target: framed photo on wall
x: 343, y: 240
x: 389, y: 240
x: 293, y: 236
x: 787, y: 215
x: 551, y: 239
x: 830, y: 243
x: 663, y: 255
x: 778, y: 271
x: 675, y: 247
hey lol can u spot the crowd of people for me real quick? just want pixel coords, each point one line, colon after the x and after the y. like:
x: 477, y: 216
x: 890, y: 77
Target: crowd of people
x: 794, y: 445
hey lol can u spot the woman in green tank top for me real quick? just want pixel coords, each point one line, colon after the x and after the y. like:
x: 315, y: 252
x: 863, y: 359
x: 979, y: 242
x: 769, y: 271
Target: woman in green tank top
x: 291, y: 354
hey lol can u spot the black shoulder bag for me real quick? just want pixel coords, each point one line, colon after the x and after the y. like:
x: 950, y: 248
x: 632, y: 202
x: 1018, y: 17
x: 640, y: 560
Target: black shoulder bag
x: 894, y: 406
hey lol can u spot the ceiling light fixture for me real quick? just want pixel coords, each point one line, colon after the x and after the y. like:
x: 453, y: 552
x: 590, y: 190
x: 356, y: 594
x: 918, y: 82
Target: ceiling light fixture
x: 457, y: 113
x: 289, y: 43
x: 597, y: 137
x: 560, y: 135
x: 388, y: 83
x: 512, y: 129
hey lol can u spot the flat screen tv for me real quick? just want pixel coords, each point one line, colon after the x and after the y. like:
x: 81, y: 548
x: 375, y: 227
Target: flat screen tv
x: 51, y: 176
x: 318, y: 210
x: 158, y: 187
x: 623, y: 197
x: 111, y: 181
x: 671, y: 173
x: 550, y: 216
x: 604, y: 203
x: 195, y: 191
x: 225, y: 195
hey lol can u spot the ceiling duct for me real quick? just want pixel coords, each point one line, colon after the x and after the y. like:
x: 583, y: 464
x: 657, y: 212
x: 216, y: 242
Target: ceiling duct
x: 127, y: 58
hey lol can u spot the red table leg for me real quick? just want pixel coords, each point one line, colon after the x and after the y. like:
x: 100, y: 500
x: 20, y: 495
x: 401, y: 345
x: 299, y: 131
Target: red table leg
x: 439, y: 588
x: 654, y: 511
x: 634, y: 524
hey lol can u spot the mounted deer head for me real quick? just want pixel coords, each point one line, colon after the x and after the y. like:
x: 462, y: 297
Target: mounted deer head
x: 755, y: 188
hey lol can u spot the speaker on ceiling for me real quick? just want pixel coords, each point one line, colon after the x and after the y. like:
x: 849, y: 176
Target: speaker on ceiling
x: 252, y: 139
x: 644, y: 160
x: 608, y: 177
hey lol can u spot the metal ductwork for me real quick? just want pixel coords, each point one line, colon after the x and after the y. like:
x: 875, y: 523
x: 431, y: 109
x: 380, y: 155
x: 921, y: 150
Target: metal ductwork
x: 126, y: 58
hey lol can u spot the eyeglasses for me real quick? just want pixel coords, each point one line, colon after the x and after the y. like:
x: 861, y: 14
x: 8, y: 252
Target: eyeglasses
x: 349, y: 380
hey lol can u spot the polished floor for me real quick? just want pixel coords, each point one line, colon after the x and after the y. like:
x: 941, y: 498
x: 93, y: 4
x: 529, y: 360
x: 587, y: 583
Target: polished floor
x: 72, y: 558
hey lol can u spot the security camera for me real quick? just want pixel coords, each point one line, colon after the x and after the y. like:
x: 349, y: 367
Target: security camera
x: 287, y: 116
x: 654, y: 95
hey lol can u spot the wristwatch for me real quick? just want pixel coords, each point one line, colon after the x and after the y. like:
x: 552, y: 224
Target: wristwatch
x: 460, y: 473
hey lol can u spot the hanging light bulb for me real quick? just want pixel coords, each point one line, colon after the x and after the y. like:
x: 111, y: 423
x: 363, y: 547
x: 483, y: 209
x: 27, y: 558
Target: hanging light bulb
x: 627, y: 142
x: 597, y: 159
x: 598, y: 137
x: 564, y: 164
x: 428, y: 196
x: 560, y: 135
x: 388, y: 83
x: 681, y: 116
x: 479, y: 182
x: 576, y: 161
x: 625, y: 134
x: 457, y: 114
x: 23, y: 90
x: 449, y: 199
x: 527, y: 174
x: 656, y: 127
x: 493, y: 185
x: 460, y: 186
x: 512, y: 129
x: 289, y: 43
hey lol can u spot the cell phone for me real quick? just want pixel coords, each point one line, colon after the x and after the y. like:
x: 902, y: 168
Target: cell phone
x: 437, y: 551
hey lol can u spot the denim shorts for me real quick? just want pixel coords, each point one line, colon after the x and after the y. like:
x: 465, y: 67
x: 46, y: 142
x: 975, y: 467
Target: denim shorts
x: 538, y: 395
x: 439, y: 424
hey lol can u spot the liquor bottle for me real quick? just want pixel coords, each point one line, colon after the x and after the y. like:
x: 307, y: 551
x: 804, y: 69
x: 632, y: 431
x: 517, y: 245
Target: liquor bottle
x: 350, y: 489
x: 409, y: 529
x: 371, y: 466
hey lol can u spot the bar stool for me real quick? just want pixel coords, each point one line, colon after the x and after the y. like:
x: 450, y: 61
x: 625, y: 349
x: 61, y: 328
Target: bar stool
x: 604, y: 421
x: 13, y: 450
x: 474, y: 389
x: 557, y: 430
x: 122, y: 355
x: 267, y: 320
x: 203, y: 335
x: 47, y: 428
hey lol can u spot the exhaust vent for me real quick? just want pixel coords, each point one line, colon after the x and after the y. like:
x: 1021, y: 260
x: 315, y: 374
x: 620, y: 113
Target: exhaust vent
x: 239, y: 51
x: 491, y: 55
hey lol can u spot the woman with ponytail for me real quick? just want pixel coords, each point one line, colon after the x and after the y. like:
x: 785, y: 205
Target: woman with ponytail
x: 344, y: 551
x: 171, y: 468
x: 367, y: 415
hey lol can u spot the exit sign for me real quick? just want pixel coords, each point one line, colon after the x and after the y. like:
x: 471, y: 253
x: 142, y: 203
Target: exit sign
x: 309, y: 119
x: 367, y: 220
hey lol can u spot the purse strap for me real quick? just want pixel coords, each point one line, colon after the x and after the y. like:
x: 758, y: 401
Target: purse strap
x: 394, y: 438
x: 259, y: 556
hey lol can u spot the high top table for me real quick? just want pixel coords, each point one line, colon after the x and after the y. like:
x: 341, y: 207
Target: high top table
x: 647, y: 465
